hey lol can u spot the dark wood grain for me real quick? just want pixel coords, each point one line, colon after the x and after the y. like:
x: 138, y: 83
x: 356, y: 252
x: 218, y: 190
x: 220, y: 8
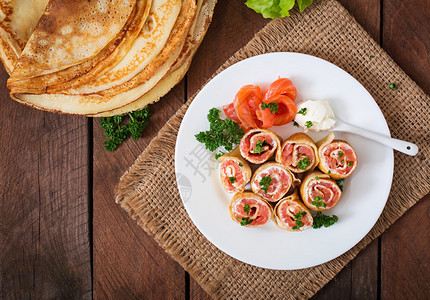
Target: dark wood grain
x: 44, y: 236
x: 127, y: 262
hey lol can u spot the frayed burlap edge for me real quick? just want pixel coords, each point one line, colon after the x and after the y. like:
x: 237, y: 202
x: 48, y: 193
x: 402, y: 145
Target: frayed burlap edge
x: 160, y: 153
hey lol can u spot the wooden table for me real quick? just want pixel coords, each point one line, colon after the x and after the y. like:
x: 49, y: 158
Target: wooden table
x: 63, y: 236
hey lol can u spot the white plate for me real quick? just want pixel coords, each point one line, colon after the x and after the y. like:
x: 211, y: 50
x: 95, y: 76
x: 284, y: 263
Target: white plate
x: 365, y: 192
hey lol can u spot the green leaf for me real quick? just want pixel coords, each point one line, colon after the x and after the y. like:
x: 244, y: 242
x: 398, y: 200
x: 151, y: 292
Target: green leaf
x: 271, y: 8
x: 265, y: 182
x: 303, y: 4
x: 321, y: 220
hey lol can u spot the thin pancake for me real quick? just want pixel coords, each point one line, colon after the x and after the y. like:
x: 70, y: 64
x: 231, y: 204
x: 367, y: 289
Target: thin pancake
x: 129, y: 91
x: 178, y: 70
x: 74, y: 67
x: 17, y: 21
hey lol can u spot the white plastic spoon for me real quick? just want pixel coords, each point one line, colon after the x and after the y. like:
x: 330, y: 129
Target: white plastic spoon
x: 399, y: 145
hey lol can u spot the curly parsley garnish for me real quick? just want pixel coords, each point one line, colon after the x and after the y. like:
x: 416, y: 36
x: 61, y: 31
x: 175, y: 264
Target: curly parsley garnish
x: 308, y: 124
x: 265, y: 182
x: 339, y: 182
x: 245, y: 221
x: 340, y: 153
x: 118, y: 131
x: 298, y: 218
x: 303, y: 163
x: 349, y: 163
x: 273, y: 106
x: 246, y: 208
x: 317, y: 202
x: 240, y: 164
x: 232, y: 179
x: 393, y: 86
x: 258, y: 147
x: 303, y: 111
x: 224, y: 133
x: 321, y: 220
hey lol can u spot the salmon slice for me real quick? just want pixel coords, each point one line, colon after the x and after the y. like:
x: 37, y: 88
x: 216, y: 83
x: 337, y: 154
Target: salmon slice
x: 245, y: 103
x: 282, y: 86
x: 271, y: 181
x: 289, y: 212
x: 258, y: 145
x: 285, y: 112
x: 250, y: 210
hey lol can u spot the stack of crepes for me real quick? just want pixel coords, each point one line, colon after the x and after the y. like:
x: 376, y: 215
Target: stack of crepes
x: 98, y: 57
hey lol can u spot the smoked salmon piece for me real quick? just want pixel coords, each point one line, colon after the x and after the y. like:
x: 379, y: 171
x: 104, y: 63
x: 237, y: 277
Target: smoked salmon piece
x: 319, y: 192
x: 284, y: 113
x: 282, y: 86
x: 258, y: 145
x: 245, y: 103
x: 271, y: 181
x: 298, y: 153
x: 291, y: 214
x: 234, y: 171
x: 250, y: 210
x: 337, y: 158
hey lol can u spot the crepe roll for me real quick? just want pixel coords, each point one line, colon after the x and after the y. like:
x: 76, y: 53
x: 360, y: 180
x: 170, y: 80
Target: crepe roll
x: 272, y: 181
x: 319, y: 192
x: 258, y: 145
x: 235, y: 172
x: 250, y: 210
x: 291, y: 214
x: 298, y: 153
x: 337, y: 158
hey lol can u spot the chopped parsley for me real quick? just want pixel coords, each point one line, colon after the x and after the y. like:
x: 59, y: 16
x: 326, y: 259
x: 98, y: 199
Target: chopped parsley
x: 393, y: 86
x: 232, y: 179
x: 224, y: 133
x: 118, y: 131
x: 303, y: 163
x: 295, y: 124
x: 240, y: 164
x: 298, y: 218
x: 339, y: 182
x: 265, y: 182
x: 321, y: 220
x: 329, y: 172
x: 317, y: 202
x: 317, y: 178
x: 308, y: 124
x: 273, y: 106
x: 349, y: 163
x: 298, y: 154
x: 258, y: 147
x: 246, y: 208
x: 303, y: 111
x: 340, y: 153
x: 245, y: 221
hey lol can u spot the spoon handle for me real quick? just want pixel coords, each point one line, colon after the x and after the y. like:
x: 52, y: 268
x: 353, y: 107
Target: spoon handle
x: 399, y: 145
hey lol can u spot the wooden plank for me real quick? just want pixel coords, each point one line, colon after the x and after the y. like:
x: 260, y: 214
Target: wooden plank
x: 44, y: 235
x: 404, y: 247
x: 233, y: 26
x: 127, y: 262
x: 406, y: 37
x: 405, y: 255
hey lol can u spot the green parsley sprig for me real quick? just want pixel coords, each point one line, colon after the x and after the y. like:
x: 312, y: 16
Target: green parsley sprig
x: 273, y: 106
x: 298, y: 218
x: 317, y: 202
x: 246, y: 208
x: 258, y: 147
x: 265, y: 182
x: 303, y: 163
x: 308, y: 124
x: 321, y: 220
x: 303, y: 111
x: 245, y: 221
x: 118, y: 130
x: 222, y: 133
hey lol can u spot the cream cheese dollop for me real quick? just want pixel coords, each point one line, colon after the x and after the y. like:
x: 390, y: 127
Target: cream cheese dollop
x: 315, y: 115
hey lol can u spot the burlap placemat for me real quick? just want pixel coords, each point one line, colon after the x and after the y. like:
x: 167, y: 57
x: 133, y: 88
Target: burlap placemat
x: 148, y: 191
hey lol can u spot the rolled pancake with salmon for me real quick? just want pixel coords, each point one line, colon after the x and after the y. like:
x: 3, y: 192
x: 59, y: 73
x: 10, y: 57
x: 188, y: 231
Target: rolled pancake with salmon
x: 319, y: 192
x: 250, y: 210
x: 235, y: 172
x: 337, y: 158
x: 298, y: 153
x: 272, y: 181
x: 258, y: 145
x: 291, y: 214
